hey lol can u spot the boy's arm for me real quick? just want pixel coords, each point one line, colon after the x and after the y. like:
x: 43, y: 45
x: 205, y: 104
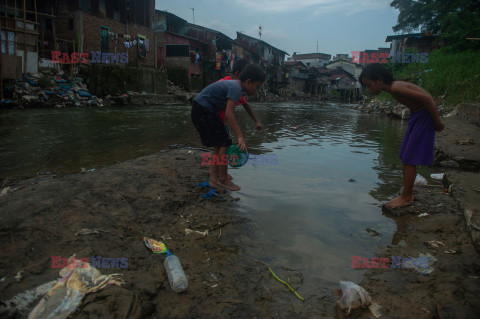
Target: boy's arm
x: 254, y: 117
x: 232, y: 121
x: 423, y: 99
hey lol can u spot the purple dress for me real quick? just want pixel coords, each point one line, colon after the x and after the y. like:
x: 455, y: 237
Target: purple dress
x: 417, y: 146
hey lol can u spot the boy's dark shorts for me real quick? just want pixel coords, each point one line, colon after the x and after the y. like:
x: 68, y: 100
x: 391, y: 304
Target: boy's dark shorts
x: 210, y: 127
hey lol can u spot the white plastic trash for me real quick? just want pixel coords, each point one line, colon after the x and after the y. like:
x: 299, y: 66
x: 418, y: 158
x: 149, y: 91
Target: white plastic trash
x: 353, y: 297
x: 420, y: 180
x: 438, y: 176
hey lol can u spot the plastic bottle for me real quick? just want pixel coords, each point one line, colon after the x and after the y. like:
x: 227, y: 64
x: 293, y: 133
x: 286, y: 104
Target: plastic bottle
x: 175, y: 273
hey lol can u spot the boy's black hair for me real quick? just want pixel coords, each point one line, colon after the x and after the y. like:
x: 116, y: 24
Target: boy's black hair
x: 239, y: 65
x: 252, y: 72
x: 376, y: 71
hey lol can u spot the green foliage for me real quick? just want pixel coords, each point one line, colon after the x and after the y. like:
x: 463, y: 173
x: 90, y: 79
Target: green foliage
x: 454, y: 20
x: 457, y: 75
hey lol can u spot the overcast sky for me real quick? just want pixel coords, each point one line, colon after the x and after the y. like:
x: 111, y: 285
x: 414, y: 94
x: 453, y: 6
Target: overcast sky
x: 340, y: 26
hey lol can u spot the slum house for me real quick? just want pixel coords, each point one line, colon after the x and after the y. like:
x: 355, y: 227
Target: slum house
x: 344, y: 84
x: 311, y: 59
x: 191, y: 51
x: 419, y: 42
x: 113, y: 34
x: 297, y: 74
x: 264, y: 54
x: 353, y: 69
x: 318, y: 82
x: 20, y: 34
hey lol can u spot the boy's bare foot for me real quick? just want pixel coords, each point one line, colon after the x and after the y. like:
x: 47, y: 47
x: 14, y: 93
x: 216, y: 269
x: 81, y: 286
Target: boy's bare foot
x: 400, y: 201
x: 230, y: 186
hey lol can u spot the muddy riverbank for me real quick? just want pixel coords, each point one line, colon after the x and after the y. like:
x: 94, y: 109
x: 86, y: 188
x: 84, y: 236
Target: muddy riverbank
x: 442, y: 223
x: 157, y: 196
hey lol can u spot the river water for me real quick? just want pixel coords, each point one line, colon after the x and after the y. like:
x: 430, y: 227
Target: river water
x: 312, y: 205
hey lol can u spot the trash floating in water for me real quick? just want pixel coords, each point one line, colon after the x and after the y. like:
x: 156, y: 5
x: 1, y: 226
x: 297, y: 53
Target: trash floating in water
x: 438, y: 176
x: 423, y: 215
x: 420, y: 180
x: 372, y: 232
x: 286, y: 284
x: 353, y: 296
x: 351, y: 180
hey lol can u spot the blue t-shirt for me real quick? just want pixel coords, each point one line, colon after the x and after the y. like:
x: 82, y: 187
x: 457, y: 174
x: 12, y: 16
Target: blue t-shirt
x: 215, y: 96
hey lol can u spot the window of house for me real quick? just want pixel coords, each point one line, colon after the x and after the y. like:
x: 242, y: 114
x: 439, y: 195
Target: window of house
x: 70, y: 23
x: 8, y: 44
x: 178, y: 50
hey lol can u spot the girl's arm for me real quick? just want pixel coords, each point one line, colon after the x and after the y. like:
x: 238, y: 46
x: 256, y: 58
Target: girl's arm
x: 424, y: 99
x: 232, y: 121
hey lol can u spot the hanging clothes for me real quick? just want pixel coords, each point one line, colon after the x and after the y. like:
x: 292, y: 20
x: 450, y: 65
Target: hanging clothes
x: 218, y: 65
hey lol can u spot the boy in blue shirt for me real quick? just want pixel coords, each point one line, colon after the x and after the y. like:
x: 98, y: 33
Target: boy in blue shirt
x: 223, y: 95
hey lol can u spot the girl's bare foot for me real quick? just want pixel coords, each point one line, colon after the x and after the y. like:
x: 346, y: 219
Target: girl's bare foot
x: 400, y: 201
x: 230, y: 186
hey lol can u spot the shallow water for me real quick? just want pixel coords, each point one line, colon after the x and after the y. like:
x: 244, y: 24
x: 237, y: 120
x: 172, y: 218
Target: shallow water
x: 312, y: 207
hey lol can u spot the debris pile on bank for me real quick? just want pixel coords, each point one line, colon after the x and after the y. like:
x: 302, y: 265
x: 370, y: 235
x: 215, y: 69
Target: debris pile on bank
x: 49, y: 89
x: 395, y: 109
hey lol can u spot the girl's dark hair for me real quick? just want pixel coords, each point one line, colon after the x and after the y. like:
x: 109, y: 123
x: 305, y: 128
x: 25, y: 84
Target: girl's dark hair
x: 252, y: 72
x: 376, y: 71
x: 239, y: 65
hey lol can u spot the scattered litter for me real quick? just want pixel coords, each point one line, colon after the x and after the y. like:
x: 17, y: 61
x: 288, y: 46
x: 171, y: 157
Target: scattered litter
x: 5, y: 191
x: 434, y: 243
x: 156, y: 246
x: 294, y: 127
x: 451, y: 252
x: 438, y: 176
x: 372, y: 232
x: 351, y: 180
x: 465, y: 141
x: 189, y: 231
x: 375, y: 309
x: 44, y: 173
x: 24, y: 300
x: 423, y: 264
x: 19, y: 276
x: 212, y: 194
x: 420, y: 180
x: 66, y: 295
x: 190, y: 152
x: 353, y: 297
x: 286, y: 284
x: 423, y: 215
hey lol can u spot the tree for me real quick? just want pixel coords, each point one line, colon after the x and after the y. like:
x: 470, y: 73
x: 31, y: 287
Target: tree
x: 455, y: 20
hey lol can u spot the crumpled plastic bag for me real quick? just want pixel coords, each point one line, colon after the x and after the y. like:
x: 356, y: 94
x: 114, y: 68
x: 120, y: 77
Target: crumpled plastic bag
x: 420, y: 181
x: 353, y: 297
x: 66, y: 295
